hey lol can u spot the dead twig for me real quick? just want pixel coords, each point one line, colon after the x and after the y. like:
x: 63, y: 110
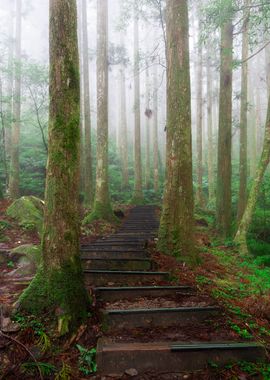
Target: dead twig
x: 25, y: 348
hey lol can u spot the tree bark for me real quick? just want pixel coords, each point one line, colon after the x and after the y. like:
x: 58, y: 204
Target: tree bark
x: 123, y: 128
x: 102, y: 205
x: 58, y: 287
x: 176, y: 233
x: 147, y: 131
x: 155, y: 130
x: 14, y: 179
x: 242, y: 198
x: 199, y: 137
x: 138, y: 194
x: 88, y: 181
x: 210, y: 153
x: 223, y: 196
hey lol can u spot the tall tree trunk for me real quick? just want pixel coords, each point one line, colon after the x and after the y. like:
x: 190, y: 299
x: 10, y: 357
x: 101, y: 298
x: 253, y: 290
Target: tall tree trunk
x: 176, y: 233
x: 242, y: 198
x: 147, y: 130
x: 58, y: 287
x: 210, y: 153
x: 267, y: 66
x: 10, y: 81
x: 225, y: 126
x: 138, y: 194
x: 82, y: 149
x: 102, y: 205
x: 199, y: 122
x: 155, y: 130
x: 241, y: 235
x: 123, y: 128
x: 89, y: 196
x: 14, y: 180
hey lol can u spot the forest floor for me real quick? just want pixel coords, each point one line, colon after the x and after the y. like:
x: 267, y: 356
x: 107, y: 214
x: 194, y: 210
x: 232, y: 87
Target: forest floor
x: 234, y: 282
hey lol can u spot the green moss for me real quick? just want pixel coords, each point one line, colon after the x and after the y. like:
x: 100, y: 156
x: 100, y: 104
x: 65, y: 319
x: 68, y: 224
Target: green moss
x: 28, y: 211
x: 101, y: 212
x: 60, y: 293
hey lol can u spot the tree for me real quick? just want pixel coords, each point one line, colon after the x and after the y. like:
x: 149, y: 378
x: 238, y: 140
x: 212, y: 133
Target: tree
x: 14, y: 179
x: 88, y: 180
x: 148, y: 115
x: 243, y: 116
x: 223, y: 195
x: 199, y: 120
x: 155, y: 129
x: 138, y: 195
x: 58, y: 286
x: 176, y: 233
x: 102, y: 205
x: 210, y: 155
x: 241, y: 235
x: 123, y: 119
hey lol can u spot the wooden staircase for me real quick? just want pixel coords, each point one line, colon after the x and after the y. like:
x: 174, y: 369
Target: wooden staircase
x: 149, y: 325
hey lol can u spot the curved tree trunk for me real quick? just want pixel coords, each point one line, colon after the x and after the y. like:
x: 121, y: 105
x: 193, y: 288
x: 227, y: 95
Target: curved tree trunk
x: 176, y: 233
x: 241, y: 235
x: 14, y: 179
x: 225, y: 127
x: 58, y: 287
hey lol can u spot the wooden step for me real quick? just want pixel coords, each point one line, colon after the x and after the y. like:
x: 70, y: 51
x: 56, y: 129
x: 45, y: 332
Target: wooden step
x: 157, y: 317
x: 102, y: 278
x: 118, y: 264
x: 129, y: 293
x: 164, y: 357
x: 139, y: 254
x: 113, y: 247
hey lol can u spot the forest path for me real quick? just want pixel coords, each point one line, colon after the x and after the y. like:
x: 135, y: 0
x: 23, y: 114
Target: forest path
x: 148, y: 324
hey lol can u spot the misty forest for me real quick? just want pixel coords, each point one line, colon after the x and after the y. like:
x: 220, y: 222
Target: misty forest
x: 134, y: 189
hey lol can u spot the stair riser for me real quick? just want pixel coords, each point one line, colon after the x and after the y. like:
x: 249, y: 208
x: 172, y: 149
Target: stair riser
x: 163, y: 360
x: 113, y: 247
x: 129, y: 265
x: 162, y: 319
x: 116, y: 255
x: 99, y: 279
x: 107, y: 295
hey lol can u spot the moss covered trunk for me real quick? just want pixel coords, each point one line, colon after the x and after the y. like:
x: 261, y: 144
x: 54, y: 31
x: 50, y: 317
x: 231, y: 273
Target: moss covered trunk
x: 223, y: 200
x: 138, y: 194
x: 242, y: 198
x: 241, y: 235
x: 58, y: 287
x: 176, y: 233
x: 14, y: 177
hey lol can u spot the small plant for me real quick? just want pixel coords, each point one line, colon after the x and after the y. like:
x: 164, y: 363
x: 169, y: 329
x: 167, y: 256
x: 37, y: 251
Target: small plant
x: 65, y: 373
x: 32, y: 368
x: 87, y: 360
x: 44, y: 342
x: 10, y: 264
